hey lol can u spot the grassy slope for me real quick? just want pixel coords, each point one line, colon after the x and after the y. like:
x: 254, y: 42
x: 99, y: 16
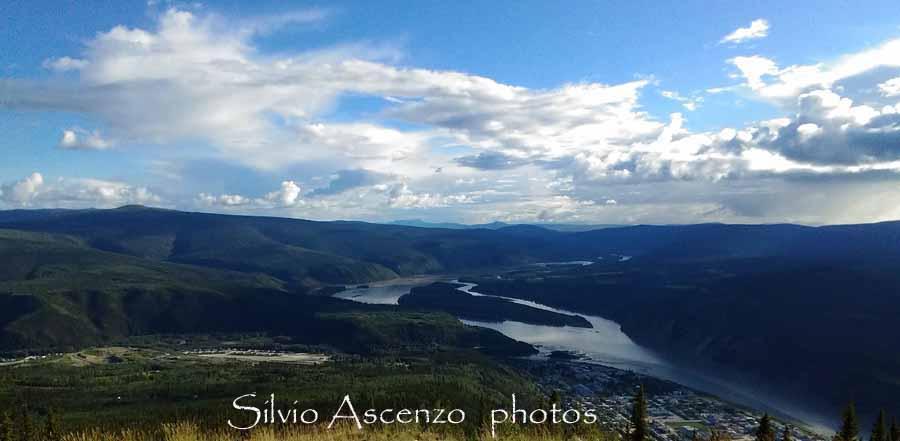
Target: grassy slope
x: 144, y: 387
x: 188, y: 431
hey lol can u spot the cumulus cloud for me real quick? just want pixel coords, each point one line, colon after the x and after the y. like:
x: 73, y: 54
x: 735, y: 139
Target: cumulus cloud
x: 22, y: 192
x: 836, y: 121
x: 286, y: 196
x: 399, y: 195
x: 100, y: 193
x: 765, y: 78
x: 372, y: 199
x: 222, y: 200
x: 833, y: 132
x: 758, y: 28
x: 753, y: 68
x: 807, y: 131
x: 574, y: 152
x: 79, y: 139
x: 195, y: 77
x: 289, y: 194
x: 890, y: 88
x: 34, y: 191
x: 545, y: 123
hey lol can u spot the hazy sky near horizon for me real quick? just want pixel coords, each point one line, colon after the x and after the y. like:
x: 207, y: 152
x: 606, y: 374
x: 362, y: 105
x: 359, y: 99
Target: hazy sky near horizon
x: 518, y: 111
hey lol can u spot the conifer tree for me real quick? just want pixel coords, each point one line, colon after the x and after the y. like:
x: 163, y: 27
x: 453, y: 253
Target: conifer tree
x: 639, y: 429
x: 895, y: 430
x: 556, y: 398
x: 879, y: 429
x: 765, y: 431
x: 849, y: 426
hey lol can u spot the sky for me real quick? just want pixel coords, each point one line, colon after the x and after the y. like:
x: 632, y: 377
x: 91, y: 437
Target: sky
x: 583, y: 112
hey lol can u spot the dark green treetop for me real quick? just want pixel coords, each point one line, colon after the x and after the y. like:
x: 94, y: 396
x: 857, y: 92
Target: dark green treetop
x: 765, y: 431
x: 849, y: 425
x: 639, y: 426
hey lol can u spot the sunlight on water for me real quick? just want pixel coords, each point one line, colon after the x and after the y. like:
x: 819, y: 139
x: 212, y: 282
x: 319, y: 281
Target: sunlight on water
x: 384, y: 293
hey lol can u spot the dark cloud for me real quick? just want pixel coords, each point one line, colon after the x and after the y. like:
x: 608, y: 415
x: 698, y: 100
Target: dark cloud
x: 864, y: 86
x: 348, y: 179
x: 490, y: 161
x: 839, y: 143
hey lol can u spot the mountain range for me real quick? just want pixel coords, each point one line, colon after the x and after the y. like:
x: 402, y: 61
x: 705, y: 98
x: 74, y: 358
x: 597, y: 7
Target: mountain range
x: 812, y: 308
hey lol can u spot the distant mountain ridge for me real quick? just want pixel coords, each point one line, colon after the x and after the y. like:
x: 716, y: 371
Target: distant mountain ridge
x: 308, y: 254
x: 300, y: 252
x: 77, y: 276
x: 496, y: 225
x: 736, y: 295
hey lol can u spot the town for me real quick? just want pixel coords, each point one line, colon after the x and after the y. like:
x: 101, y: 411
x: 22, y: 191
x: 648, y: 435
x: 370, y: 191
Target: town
x: 676, y: 413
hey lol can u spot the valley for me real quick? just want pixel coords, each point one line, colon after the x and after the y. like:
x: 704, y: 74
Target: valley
x: 801, y: 314
x: 605, y: 344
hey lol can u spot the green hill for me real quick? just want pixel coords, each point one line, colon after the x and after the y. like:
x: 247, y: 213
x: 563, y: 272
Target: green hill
x: 56, y: 292
x: 302, y: 253
x: 820, y: 300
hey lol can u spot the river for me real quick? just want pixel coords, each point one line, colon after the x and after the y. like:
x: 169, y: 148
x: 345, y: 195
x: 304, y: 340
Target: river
x: 605, y: 344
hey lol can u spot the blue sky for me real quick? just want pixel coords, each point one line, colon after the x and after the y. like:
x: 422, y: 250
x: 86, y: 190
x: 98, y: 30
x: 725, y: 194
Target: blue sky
x: 606, y: 112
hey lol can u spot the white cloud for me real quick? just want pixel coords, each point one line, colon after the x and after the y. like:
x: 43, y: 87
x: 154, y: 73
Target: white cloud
x: 198, y: 82
x: 754, y: 68
x: 551, y: 123
x: 839, y: 120
x: 195, y: 77
x: 64, y: 64
x: 372, y: 200
x: 890, y: 88
x: 767, y: 80
x: 400, y: 196
x: 79, y: 139
x: 22, y: 192
x: 689, y: 103
x: 287, y: 195
x: 807, y: 131
x: 34, y: 191
x: 758, y: 28
x: 223, y: 200
x: 98, y: 192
